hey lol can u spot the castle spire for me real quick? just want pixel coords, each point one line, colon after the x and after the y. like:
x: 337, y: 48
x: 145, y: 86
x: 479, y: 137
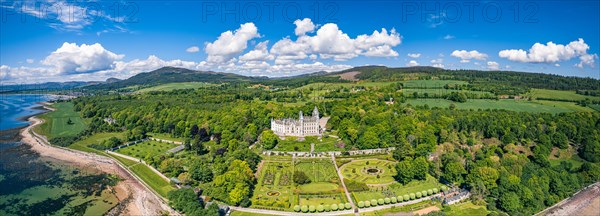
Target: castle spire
x: 315, y: 112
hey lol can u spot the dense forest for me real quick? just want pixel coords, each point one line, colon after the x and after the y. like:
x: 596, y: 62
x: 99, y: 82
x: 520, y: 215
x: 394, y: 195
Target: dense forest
x: 501, y: 156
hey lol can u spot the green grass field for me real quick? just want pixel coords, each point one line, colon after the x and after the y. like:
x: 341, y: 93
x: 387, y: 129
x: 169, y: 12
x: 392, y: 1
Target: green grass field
x: 507, y: 104
x: 318, y: 170
x: 292, y: 144
x: 141, y: 150
x: 431, y: 83
x: 359, y: 171
x: 319, y: 187
x: 160, y: 185
x: 559, y: 94
x: 415, y: 186
x: 57, y: 122
x: 83, y: 145
x: 465, y: 209
x: 174, y: 86
x: 439, y: 92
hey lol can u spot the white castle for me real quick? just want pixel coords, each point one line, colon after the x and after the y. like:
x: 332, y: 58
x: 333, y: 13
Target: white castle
x: 304, y: 126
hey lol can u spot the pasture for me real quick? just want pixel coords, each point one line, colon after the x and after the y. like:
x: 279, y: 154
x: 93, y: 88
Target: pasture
x: 57, y: 122
x: 431, y: 83
x: 143, y: 149
x: 558, y: 95
x: 505, y: 104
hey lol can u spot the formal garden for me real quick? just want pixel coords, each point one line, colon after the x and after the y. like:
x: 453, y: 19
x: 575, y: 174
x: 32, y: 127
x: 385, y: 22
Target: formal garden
x: 370, y: 171
x: 146, y: 148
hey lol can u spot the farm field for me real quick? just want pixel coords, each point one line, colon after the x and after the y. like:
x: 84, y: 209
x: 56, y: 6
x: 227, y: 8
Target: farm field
x: 507, y: 104
x: 369, y: 171
x: 433, y: 92
x: 143, y: 149
x: 84, y: 145
x: 57, y: 122
x: 174, y: 86
x: 559, y: 95
x: 431, y: 83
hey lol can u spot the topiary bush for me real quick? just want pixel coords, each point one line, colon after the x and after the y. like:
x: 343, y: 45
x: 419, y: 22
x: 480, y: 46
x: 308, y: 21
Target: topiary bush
x: 374, y: 202
x: 334, y: 207
x: 327, y: 208
x: 312, y: 208
x: 387, y: 200
x: 296, y: 208
x: 361, y: 204
x: 444, y: 188
x: 418, y: 195
x: 430, y: 192
x: 304, y: 208
x: 436, y: 190
x: 348, y: 205
x: 320, y: 208
x: 380, y: 201
x: 424, y: 193
x: 412, y: 196
x: 394, y: 200
x: 406, y: 197
x: 367, y: 204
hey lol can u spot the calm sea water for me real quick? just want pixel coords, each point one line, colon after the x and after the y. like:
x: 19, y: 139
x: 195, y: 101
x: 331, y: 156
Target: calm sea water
x: 31, y: 185
x: 16, y: 106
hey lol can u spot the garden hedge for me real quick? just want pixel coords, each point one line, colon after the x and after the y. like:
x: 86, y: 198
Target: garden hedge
x: 296, y: 208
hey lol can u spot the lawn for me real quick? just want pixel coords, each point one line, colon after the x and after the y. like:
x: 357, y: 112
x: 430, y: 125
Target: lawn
x: 318, y: 170
x: 83, y: 145
x: 57, y: 122
x: 397, y: 189
x: 166, y: 136
x: 506, y: 104
x: 465, y: 209
x: 319, y: 187
x: 292, y: 144
x: 559, y: 95
x: 160, y: 185
x: 174, y: 86
x: 143, y: 149
x: 370, y: 171
x: 321, y: 199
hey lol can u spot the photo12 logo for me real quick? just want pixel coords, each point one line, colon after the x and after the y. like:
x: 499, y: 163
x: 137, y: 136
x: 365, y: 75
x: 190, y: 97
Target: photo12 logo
x: 471, y: 11
x: 69, y: 11
x: 271, y: 11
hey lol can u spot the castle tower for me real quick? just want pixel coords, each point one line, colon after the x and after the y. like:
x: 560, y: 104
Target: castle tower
x: 315, y: 112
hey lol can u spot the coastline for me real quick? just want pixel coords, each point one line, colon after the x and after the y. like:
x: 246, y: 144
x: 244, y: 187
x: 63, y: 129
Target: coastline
x: 134, y: 197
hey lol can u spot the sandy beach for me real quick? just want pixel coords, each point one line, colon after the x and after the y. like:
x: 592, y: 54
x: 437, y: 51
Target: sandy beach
x: 135, y: 198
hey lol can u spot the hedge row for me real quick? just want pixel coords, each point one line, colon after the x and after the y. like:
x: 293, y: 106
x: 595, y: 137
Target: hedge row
x: 322, y: 208
x: 399, y: 199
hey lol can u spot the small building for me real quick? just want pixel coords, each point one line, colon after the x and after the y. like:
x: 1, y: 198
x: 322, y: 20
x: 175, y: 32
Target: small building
x: 455, y: 195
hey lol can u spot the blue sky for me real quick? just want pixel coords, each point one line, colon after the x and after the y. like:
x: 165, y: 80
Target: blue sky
x: 80, y: 40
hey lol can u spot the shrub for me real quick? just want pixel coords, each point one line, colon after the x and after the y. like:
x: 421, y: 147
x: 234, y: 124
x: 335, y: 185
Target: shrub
x: 444, y: 188
x: 424, y: 193
x: 394, y: 200
x: 380, y: 201
x: 412, y: 196
x: 348, y: 205
x: 340, y: 206
x: 406, y: 197
x: 387, y: 200
x: 334, y: 207
x: 361, y: 204
x: 430, y: 192
x: 419, y: 194
x: 301, y: 178
x: 374, y: 202
x: 312, y: 208
x: 320, y: 208
x: 400, y: 199
x: 367, y: 203
x: 435, y: 190
x: 304, y: 208
x: 296, y: 208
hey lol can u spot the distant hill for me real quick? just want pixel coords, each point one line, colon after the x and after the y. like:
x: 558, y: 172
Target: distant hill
x: 49, y: 86
x: 174, y: 75
x: 112, y: 80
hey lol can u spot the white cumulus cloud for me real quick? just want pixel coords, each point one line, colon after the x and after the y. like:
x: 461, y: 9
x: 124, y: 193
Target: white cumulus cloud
x: 552, y: 52
x: 230, y: 44
x: 414, y: 55
x: 192, y: 49
x: 71, y: 58
x: 466, y: 56
x: 492, y: 65
x: 412, y: 63
x: 304, y: 26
